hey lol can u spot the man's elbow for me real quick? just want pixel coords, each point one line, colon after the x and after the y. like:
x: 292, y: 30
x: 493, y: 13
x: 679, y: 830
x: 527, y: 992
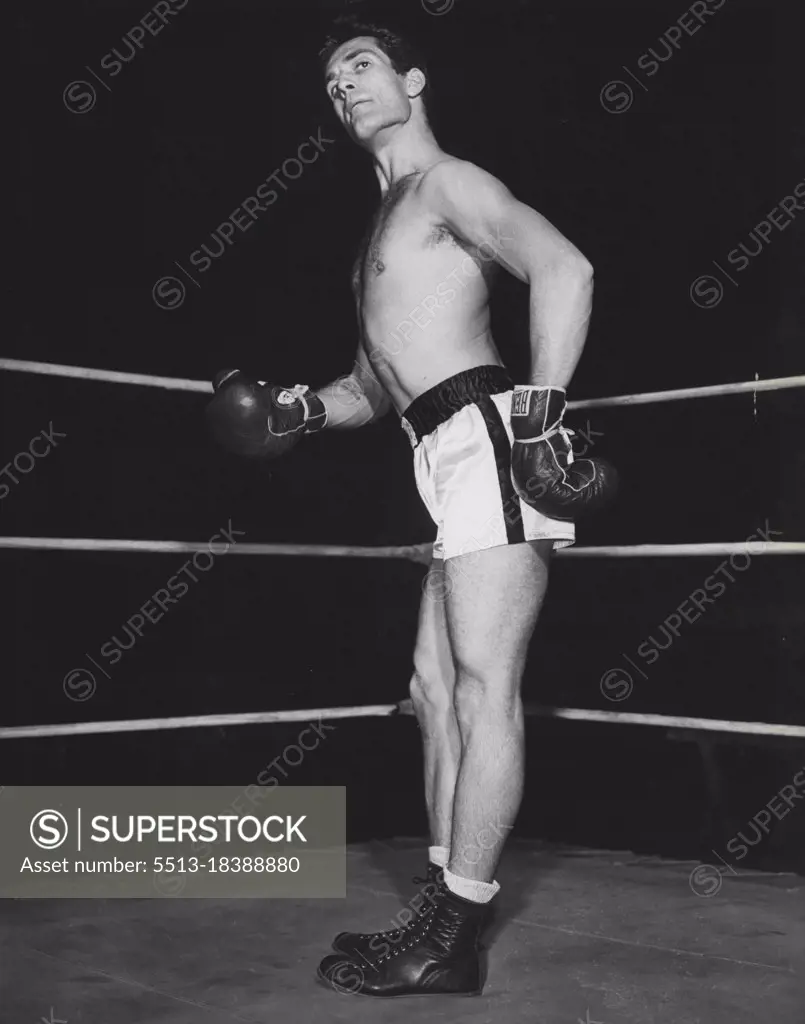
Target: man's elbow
x: 381, y: 404
x: 579, y: 268
x: 573, y: 275
x: 566, y: 268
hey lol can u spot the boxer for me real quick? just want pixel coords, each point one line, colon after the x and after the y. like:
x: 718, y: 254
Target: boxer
x: 493, y: 463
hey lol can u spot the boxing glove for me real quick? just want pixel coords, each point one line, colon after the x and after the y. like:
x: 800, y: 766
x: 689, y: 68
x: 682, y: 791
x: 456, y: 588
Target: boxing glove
x: 544, y: 471
x: 259, y: 420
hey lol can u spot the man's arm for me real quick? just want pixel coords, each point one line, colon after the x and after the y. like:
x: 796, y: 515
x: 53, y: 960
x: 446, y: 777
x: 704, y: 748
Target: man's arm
x: 482, y: 211
x: 357, y: 399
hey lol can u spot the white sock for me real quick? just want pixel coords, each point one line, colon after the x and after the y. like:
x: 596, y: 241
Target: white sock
x: 439, y: 855
x: 469, y: 888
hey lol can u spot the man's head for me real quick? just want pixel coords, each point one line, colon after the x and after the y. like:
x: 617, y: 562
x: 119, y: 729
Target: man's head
x: 374, y: 78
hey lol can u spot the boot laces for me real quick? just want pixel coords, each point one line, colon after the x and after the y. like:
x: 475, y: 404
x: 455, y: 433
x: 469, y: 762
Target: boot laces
x: 444, y: 928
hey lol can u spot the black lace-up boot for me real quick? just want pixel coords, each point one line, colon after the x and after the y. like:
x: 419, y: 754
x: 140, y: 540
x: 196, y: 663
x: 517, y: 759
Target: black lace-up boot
x: 439, y: 958
x: 371, y: 945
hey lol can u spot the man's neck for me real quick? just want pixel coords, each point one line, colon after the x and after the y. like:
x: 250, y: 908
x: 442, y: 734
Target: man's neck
x: 403, y: 150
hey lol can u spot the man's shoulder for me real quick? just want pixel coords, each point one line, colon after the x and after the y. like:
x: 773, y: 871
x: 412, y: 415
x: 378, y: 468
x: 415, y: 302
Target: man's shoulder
x: 452, y: 170
x: 452, y: 179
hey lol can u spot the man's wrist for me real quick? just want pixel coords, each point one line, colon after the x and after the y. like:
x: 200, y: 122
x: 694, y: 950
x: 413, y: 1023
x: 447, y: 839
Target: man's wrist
x: 315, y: 412
x: 540, y: 386
x: 536, y: 411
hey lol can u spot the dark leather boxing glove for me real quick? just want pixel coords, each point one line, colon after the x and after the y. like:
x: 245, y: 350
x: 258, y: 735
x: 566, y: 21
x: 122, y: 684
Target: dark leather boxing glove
x: 261, y: 420
x: 544, y: 471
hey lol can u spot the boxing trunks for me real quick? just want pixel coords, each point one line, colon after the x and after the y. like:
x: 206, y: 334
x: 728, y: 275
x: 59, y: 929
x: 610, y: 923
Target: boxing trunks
x: 461, y: 434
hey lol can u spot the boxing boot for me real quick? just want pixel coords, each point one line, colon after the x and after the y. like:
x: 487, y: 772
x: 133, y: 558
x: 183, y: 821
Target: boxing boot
x: 371, y: 945
x: 439, y: 957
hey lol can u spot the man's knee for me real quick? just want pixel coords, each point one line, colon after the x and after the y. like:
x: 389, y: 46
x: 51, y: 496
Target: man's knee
x: 430, y: 692
x: 484, y: 690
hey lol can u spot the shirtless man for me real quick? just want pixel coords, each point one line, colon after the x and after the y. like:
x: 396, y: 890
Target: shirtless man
x: 493, y: 465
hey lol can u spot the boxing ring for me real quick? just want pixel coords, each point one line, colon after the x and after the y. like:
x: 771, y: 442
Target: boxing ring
x: 416, y: 553
x: 559, y: 906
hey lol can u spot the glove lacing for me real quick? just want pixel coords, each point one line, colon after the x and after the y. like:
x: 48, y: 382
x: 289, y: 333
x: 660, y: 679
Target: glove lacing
x: 564, y: 432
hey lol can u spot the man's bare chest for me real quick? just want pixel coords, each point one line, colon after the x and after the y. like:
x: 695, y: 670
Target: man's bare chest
x: 403, y: 230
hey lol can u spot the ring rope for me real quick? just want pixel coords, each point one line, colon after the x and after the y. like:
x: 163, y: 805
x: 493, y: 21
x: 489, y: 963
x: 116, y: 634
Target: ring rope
x: 384, y: 710
x: 196, y: 721
x: 669, y: 721
x: 773, y: 547
x: 708, y: 391
x: 182, y: 384
x: 111, y: 376
x: 414, y: 552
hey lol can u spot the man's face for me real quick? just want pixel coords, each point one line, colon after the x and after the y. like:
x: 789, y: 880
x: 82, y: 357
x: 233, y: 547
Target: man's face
x: 365, y: 90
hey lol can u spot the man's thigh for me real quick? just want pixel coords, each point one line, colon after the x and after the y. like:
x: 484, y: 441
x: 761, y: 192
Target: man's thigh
x: 493, y: 598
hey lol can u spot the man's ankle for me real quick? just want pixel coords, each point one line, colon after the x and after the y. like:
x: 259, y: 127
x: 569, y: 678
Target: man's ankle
x: 470, y: 888
x: 439, y: 855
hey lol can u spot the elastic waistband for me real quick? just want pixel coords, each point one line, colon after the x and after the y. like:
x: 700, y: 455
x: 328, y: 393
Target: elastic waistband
x: 437, y: 405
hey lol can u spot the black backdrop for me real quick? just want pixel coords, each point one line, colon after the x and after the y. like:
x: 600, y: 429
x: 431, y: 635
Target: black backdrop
x: 109, y: 200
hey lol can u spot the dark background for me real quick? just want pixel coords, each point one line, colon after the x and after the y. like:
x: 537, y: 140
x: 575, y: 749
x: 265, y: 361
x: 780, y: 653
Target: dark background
x: 107, y: 200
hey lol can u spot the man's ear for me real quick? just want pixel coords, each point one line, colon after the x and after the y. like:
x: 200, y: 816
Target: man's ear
x: 415, y: 82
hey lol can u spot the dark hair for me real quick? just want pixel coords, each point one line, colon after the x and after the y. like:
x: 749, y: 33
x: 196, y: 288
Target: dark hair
x: 401, y: 51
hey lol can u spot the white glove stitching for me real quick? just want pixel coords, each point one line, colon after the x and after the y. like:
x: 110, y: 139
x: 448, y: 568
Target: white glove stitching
x: 564, y: 431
